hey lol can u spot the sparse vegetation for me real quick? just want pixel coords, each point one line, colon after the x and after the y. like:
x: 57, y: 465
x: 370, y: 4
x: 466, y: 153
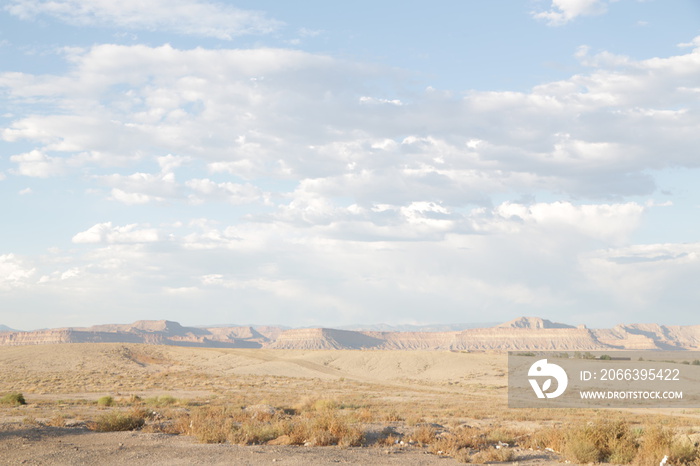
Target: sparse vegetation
x: 13, y: 399
x: 614, y: 441
x: 58, y: 420
x: 116, y: 421
x: 492, y: 455
x: 161, y: 401
x: 463, y: 417
x: 288, y: 427
x: 424, y: 434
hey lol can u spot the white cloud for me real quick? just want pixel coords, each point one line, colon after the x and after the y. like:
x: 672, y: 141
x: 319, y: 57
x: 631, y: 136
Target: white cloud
x: 170, y: 162
x: 372, y: 100
x: 592, y: 135
x: 563, y: 11
x: 106, y: 233
x: 368, y: 205
x: 231, y: 192
x: 191, y: 17
x: 346, y: 263
x: 648, y: 276
x: 37, y: 164
x: 14, y: 272
x: 141, y: 188
x: 612, y: 223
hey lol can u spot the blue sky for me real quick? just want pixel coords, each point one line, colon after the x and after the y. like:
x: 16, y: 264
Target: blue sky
x: 330, y: 163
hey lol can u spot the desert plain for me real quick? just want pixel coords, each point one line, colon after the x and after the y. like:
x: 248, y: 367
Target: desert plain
x: 123, y: 403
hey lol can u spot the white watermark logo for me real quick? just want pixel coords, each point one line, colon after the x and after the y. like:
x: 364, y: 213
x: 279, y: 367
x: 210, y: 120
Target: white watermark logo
x: 542, y: 368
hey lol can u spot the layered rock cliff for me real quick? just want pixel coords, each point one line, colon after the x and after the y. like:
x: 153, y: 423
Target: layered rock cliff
x: 525, y: 333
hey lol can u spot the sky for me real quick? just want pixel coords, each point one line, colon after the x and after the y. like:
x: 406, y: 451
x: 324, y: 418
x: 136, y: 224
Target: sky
x: 325, y: 163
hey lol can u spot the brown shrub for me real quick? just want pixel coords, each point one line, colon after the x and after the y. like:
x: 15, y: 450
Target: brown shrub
x: 493, y: 455
x: 600, y: 441
x: 658, y: 442
x: 59, y: 420
x: 210, y: 425
x: 424, y: 434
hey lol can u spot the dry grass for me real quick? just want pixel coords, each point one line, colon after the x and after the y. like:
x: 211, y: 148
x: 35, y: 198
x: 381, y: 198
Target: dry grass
x: 161, y: 401
x: 658, y: 442
x: 116, y: 421
x: 492, y: 455
x: 424, y: 434
x: 217, y: 397
x: 58, y: 420
x: 250, y: 427
x: 615, y: 441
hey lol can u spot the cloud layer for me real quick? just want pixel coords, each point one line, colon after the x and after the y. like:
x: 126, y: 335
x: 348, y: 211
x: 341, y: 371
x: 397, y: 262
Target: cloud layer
x: 293, y: 187
x: 189, y: 17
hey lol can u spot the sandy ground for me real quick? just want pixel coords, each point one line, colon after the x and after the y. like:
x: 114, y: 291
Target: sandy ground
x: 76, y: 446
x: 399, y: 388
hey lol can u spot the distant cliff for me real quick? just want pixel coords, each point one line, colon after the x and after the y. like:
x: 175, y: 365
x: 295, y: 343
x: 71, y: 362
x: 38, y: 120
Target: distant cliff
x: 525, y: 333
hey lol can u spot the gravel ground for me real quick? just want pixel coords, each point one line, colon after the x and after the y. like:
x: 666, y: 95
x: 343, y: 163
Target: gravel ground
x: 78, y: 446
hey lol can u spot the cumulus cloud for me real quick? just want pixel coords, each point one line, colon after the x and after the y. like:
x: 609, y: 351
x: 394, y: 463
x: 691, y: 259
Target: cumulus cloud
x: 37, y: 164
x: 14, y: 272
x: 610, y: 223
x: 564, y: 11
x: 107, y: 233
x: 370, y: 202
x: 344, y: 263
x: 191, y: 17
x: 593, y: 135
x: 233, y: 193
x: 141, y: 188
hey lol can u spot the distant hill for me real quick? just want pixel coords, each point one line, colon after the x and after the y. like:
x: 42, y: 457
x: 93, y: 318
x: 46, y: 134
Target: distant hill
x: 533, y: 323
x: 524, y: 333
x: 5, y: 328
x: 417, y: 328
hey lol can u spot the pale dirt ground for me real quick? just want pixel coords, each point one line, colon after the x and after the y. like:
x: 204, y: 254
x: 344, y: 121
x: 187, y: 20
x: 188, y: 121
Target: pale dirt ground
x: 65, y: 446
x: 401, y: 389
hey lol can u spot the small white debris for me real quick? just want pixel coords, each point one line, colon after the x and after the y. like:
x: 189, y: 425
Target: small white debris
x: 663, y: 461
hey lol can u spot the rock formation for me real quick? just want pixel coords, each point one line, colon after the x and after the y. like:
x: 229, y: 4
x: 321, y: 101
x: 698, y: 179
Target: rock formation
x: 525, y: 333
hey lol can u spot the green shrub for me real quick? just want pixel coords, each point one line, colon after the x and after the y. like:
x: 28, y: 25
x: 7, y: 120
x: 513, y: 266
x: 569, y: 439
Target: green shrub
x: 105, y: 401
x: 117, y: 421
x: 14, y: 399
